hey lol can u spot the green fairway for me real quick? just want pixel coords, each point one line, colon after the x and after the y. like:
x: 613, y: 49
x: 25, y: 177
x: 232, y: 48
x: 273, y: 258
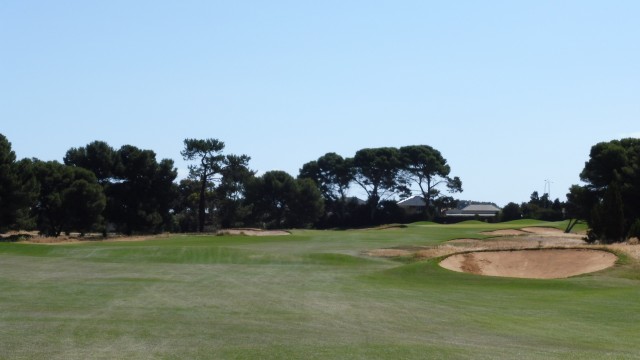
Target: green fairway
x: 311, y: 295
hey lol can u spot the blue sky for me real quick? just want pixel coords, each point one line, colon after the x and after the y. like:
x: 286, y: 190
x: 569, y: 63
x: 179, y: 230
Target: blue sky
x: 511, y: 92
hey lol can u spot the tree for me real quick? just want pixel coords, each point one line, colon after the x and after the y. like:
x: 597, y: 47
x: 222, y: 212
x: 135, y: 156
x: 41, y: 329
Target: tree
x: 308, y: 204
x: 185, y: 205
x: 534, y: 199
x: 332, y: 174
x: 15, y: 194
x: 614, y: 162
x: 425, y: 166
x: 608, y: 222
x: 280, y: 201
x: 209, y: 153
x: 98, y: 157
x: 511, y: 211
x: 606, y: 158
x: 84, y: 202
x: 230, y: 193
x: 70, y: 198
x: 26, y: 218
x: 376, y: 172
x: 542, y: 208
x: 443, y: 203
x: 139, y: 189
x: 141, y: 198
x: 578, y: 207
x: 271, y: 196
x: 614, y: 222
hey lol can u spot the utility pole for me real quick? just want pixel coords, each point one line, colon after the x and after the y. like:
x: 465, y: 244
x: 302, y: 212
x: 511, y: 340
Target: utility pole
x: 547, y: 187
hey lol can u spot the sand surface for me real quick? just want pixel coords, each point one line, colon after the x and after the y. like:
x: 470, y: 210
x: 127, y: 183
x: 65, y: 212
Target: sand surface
x: 505, y: 232
x: 534, y: 264
x: 254, y: 232
x: 530, y: 252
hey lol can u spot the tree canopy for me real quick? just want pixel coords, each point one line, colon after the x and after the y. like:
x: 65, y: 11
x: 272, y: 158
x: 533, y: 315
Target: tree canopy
x: 69, y: 198
x: 376, y: 172
x: 332, y: 173
x: 128, y: 190
x: 279, y: 200
x: 428, y: 169
x: 143, y: 193
x: 15, y: 193
x: 208, y: 152
x: 96, y: 156
x: 611, y: 196
x: 230, y: 193
x: 139, y: 189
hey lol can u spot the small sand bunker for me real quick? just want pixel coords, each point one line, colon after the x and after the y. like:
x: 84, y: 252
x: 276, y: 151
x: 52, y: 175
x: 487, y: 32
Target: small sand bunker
x: 532, y: 264
x: 543, y: 230
x: 505, y: 232
x: 254, y: 232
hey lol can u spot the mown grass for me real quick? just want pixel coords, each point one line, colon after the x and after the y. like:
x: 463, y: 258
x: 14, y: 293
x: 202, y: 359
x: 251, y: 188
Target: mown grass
x: 311, y: 295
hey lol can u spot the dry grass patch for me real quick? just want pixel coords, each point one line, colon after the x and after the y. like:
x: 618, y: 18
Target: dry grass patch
x: 253, y: 232
x: 504, y: 232
x: 630, y: 249
x: 76, y: 238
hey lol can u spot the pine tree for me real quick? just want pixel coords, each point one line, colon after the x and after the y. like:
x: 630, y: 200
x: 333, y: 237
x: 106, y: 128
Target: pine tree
x: 613, y: 215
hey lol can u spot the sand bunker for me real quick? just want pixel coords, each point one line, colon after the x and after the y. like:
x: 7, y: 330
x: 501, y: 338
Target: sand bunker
x: 505, y: 232
x: 533, y: 264
x: 541, y: 230
x: 254, y: 232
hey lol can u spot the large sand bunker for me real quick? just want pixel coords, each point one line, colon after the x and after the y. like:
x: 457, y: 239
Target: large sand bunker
x: 533, y: 264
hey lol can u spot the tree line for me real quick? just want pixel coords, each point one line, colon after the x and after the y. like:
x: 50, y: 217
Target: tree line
x: 98, y: 188
x: 539, y: 207
x: 382, y: 174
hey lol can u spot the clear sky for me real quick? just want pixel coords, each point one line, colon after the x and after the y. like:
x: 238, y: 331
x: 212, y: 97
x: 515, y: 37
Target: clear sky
x: 511, y: 92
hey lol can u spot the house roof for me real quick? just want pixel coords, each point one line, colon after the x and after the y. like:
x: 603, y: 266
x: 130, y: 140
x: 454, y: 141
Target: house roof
x: 474, y: 208
x: 415, y: 200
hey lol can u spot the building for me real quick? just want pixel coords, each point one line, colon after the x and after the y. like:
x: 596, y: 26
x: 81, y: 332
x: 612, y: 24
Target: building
x: 417, y: 205
x: 488, y: 211
x: 413, y: 205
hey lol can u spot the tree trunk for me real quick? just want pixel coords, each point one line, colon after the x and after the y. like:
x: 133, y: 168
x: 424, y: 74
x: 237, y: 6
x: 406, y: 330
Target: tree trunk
x: 570, y: 225
x: 427, y: 200
x: 201, y: 207
x: 373, y: 203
